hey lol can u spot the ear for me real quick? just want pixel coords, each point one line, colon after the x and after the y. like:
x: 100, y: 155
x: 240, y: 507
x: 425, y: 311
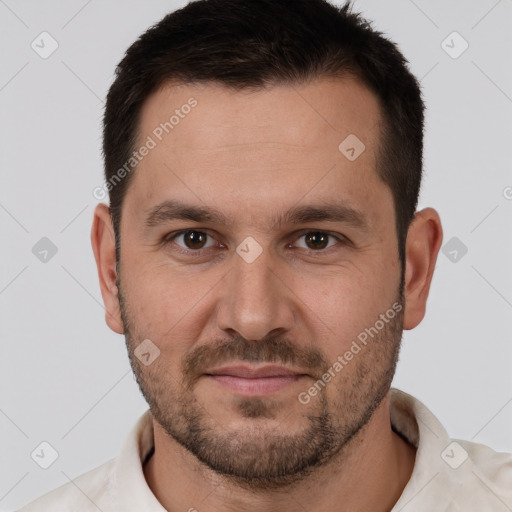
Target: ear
x: 422, y: 247
x: 104, y: 248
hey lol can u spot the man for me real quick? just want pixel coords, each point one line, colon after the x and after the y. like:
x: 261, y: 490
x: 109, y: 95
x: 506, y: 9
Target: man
x: 262, y: 255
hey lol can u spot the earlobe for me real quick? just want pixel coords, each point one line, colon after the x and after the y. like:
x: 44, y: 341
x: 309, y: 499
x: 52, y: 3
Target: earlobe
x: 423, y: 243
x: 104, y: 248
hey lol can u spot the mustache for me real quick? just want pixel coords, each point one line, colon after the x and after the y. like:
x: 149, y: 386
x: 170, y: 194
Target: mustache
x: 271, y: 349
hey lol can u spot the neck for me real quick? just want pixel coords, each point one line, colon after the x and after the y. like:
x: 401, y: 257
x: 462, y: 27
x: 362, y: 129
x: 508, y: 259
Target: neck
x: 370, y: 474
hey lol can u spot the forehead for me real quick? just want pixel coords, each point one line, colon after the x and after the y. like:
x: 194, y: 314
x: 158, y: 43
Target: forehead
x: 311, y: 113
x: 244, y: 149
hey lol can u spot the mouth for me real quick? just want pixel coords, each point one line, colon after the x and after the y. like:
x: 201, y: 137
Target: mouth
x: 250, y: 381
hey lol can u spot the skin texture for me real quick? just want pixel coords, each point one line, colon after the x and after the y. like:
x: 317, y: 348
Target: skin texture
x: 301, y: 303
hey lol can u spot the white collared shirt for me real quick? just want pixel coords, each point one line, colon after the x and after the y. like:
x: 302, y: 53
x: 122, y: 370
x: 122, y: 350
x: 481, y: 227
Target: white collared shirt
x: 448, y: 475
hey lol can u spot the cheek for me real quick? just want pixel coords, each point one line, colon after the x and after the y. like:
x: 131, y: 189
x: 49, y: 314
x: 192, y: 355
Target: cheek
x: 344, y: 301
x: 167, y: 306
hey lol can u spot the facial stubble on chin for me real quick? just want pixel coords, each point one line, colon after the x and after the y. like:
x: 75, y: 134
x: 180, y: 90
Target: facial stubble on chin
x: 258, y: 457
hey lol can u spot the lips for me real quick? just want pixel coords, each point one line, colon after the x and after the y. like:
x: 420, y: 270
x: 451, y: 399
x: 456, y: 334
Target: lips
x: 246, y: 372
x: 249, y: 381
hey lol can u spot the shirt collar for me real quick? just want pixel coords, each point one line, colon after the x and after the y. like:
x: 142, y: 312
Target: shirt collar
x: 133, y: 492
x: 409, y: 417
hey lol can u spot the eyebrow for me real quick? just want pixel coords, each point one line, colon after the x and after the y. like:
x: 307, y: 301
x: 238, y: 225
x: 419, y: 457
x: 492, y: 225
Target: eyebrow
x: 171, y: 210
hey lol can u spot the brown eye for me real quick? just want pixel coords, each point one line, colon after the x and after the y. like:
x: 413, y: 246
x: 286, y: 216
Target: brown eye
x: 192, y: 240
x: 317, y: 240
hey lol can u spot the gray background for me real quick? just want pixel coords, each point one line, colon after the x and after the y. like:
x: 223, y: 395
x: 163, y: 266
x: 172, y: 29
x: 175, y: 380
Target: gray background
x: 65, y: 377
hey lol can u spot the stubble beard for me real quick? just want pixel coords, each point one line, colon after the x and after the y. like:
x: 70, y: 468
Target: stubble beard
x: 258, y: 457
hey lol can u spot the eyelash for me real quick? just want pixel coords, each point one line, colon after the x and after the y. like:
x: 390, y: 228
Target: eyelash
x: 199, y: 252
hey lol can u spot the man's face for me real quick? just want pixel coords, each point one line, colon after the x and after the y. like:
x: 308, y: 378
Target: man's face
x: 298, y: 292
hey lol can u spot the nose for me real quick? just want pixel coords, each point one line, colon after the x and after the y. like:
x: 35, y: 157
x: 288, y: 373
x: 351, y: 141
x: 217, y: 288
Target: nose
x: 256, y: 300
